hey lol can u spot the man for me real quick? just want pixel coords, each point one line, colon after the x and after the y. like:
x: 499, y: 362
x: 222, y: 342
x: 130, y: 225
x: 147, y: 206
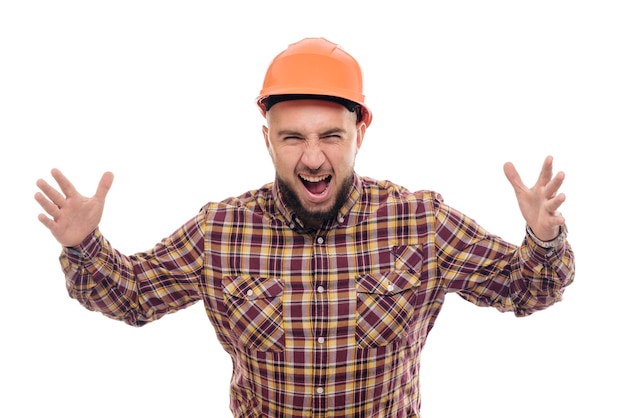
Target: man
x: 323, y: 285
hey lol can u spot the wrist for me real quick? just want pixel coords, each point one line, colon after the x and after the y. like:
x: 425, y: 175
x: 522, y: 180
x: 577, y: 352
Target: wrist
x: 555, y: 242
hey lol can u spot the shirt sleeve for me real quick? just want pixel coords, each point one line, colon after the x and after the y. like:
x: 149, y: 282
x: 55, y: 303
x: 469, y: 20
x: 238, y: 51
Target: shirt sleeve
x: 140, y: 288
x: 488, y: 271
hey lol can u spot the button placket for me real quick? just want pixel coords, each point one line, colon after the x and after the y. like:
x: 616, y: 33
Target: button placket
x: 321, y: 288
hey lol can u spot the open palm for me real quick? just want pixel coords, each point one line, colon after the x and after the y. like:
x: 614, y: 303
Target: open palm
x: 70, y: 215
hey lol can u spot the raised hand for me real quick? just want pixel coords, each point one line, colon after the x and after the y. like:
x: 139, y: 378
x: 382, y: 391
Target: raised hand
x: 540, y: 203
x: 70, y: 215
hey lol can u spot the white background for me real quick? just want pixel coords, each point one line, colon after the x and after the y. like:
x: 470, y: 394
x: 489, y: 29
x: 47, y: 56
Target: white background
x: 162, y: 94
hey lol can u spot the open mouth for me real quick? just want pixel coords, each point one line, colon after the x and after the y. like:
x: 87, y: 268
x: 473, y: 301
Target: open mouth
x: 315, y: 184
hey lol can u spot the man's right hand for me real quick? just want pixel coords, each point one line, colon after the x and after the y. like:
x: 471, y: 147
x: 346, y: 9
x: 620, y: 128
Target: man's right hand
x: 70, y: 215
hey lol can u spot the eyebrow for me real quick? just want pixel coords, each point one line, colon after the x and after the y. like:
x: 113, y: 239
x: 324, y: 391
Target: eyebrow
x: 324, y: 133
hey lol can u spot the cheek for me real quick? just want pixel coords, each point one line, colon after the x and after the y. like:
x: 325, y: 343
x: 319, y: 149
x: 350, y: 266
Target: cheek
x: 344, y: 161
x: 271, y: 153
x: 285, y: 158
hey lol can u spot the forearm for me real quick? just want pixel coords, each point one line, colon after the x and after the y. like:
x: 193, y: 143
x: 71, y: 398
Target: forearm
x: 140, y: 288
x: 522, y: 280
x: 100, y: 279
x: 488, y: 271
x: 542, y: 277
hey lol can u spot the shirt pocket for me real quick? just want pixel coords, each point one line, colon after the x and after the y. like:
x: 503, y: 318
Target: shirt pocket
x: 254, y: 307
x: 384, y: 307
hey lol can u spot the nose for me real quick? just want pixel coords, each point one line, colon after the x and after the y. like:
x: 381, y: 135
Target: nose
x: 313, y: 156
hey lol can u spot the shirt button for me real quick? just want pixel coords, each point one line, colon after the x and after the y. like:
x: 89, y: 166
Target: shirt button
x: 320, y: 240
x: 320, y: 340
x: 250, y: 292
x: 319, y: 390
x: 341, y: 219
x: 320, y: 289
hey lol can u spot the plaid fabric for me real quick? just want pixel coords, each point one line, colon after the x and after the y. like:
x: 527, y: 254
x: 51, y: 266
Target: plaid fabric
x: 327, y: 323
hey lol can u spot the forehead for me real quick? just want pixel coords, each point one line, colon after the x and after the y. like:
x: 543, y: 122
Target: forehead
x: 309, y: 111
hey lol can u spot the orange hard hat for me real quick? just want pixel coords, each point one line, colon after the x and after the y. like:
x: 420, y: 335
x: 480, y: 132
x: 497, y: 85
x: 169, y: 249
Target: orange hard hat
x: 315, y: 67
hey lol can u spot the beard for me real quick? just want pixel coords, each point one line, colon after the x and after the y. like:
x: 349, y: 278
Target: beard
x: 318, y: 217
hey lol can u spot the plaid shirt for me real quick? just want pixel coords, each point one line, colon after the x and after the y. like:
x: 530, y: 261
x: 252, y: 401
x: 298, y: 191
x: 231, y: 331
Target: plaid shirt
x: 328, y: 322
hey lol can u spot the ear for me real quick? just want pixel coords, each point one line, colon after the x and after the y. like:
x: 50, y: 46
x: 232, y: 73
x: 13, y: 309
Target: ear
x: 360, y: 134
x: 266, y: 137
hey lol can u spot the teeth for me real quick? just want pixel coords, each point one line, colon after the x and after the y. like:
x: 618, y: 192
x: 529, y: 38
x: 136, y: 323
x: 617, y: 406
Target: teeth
x: 314, y: 179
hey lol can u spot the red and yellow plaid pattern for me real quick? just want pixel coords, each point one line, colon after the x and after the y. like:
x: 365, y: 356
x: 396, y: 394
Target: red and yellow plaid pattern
x: 326, y: 323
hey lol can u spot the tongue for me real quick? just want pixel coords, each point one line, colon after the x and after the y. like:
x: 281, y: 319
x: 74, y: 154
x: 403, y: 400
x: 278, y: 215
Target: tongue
x: 315, y: 188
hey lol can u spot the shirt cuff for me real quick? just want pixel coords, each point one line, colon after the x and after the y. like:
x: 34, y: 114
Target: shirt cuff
x: 554, y: 243
x: 88, y: 248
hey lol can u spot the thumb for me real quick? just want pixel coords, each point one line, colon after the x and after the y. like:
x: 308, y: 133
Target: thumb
x: 513, y: 176
x: 104, y: 185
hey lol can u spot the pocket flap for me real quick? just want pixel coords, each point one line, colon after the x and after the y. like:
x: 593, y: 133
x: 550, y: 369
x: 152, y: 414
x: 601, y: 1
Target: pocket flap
x: 408, y: 257
x: 388, y: 283
x: 248, y: 287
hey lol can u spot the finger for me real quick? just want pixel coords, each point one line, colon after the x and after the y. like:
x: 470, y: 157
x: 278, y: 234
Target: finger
x: 557, y: 219
x: 513, y: 176
x: 51, y: 208
x: 546, y: 171
x: 104, y: 185
x: 555, y: 184
x: 555, y: 203
x: 66, y: 186
x: 47, y: 222
x: 53, y: 194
